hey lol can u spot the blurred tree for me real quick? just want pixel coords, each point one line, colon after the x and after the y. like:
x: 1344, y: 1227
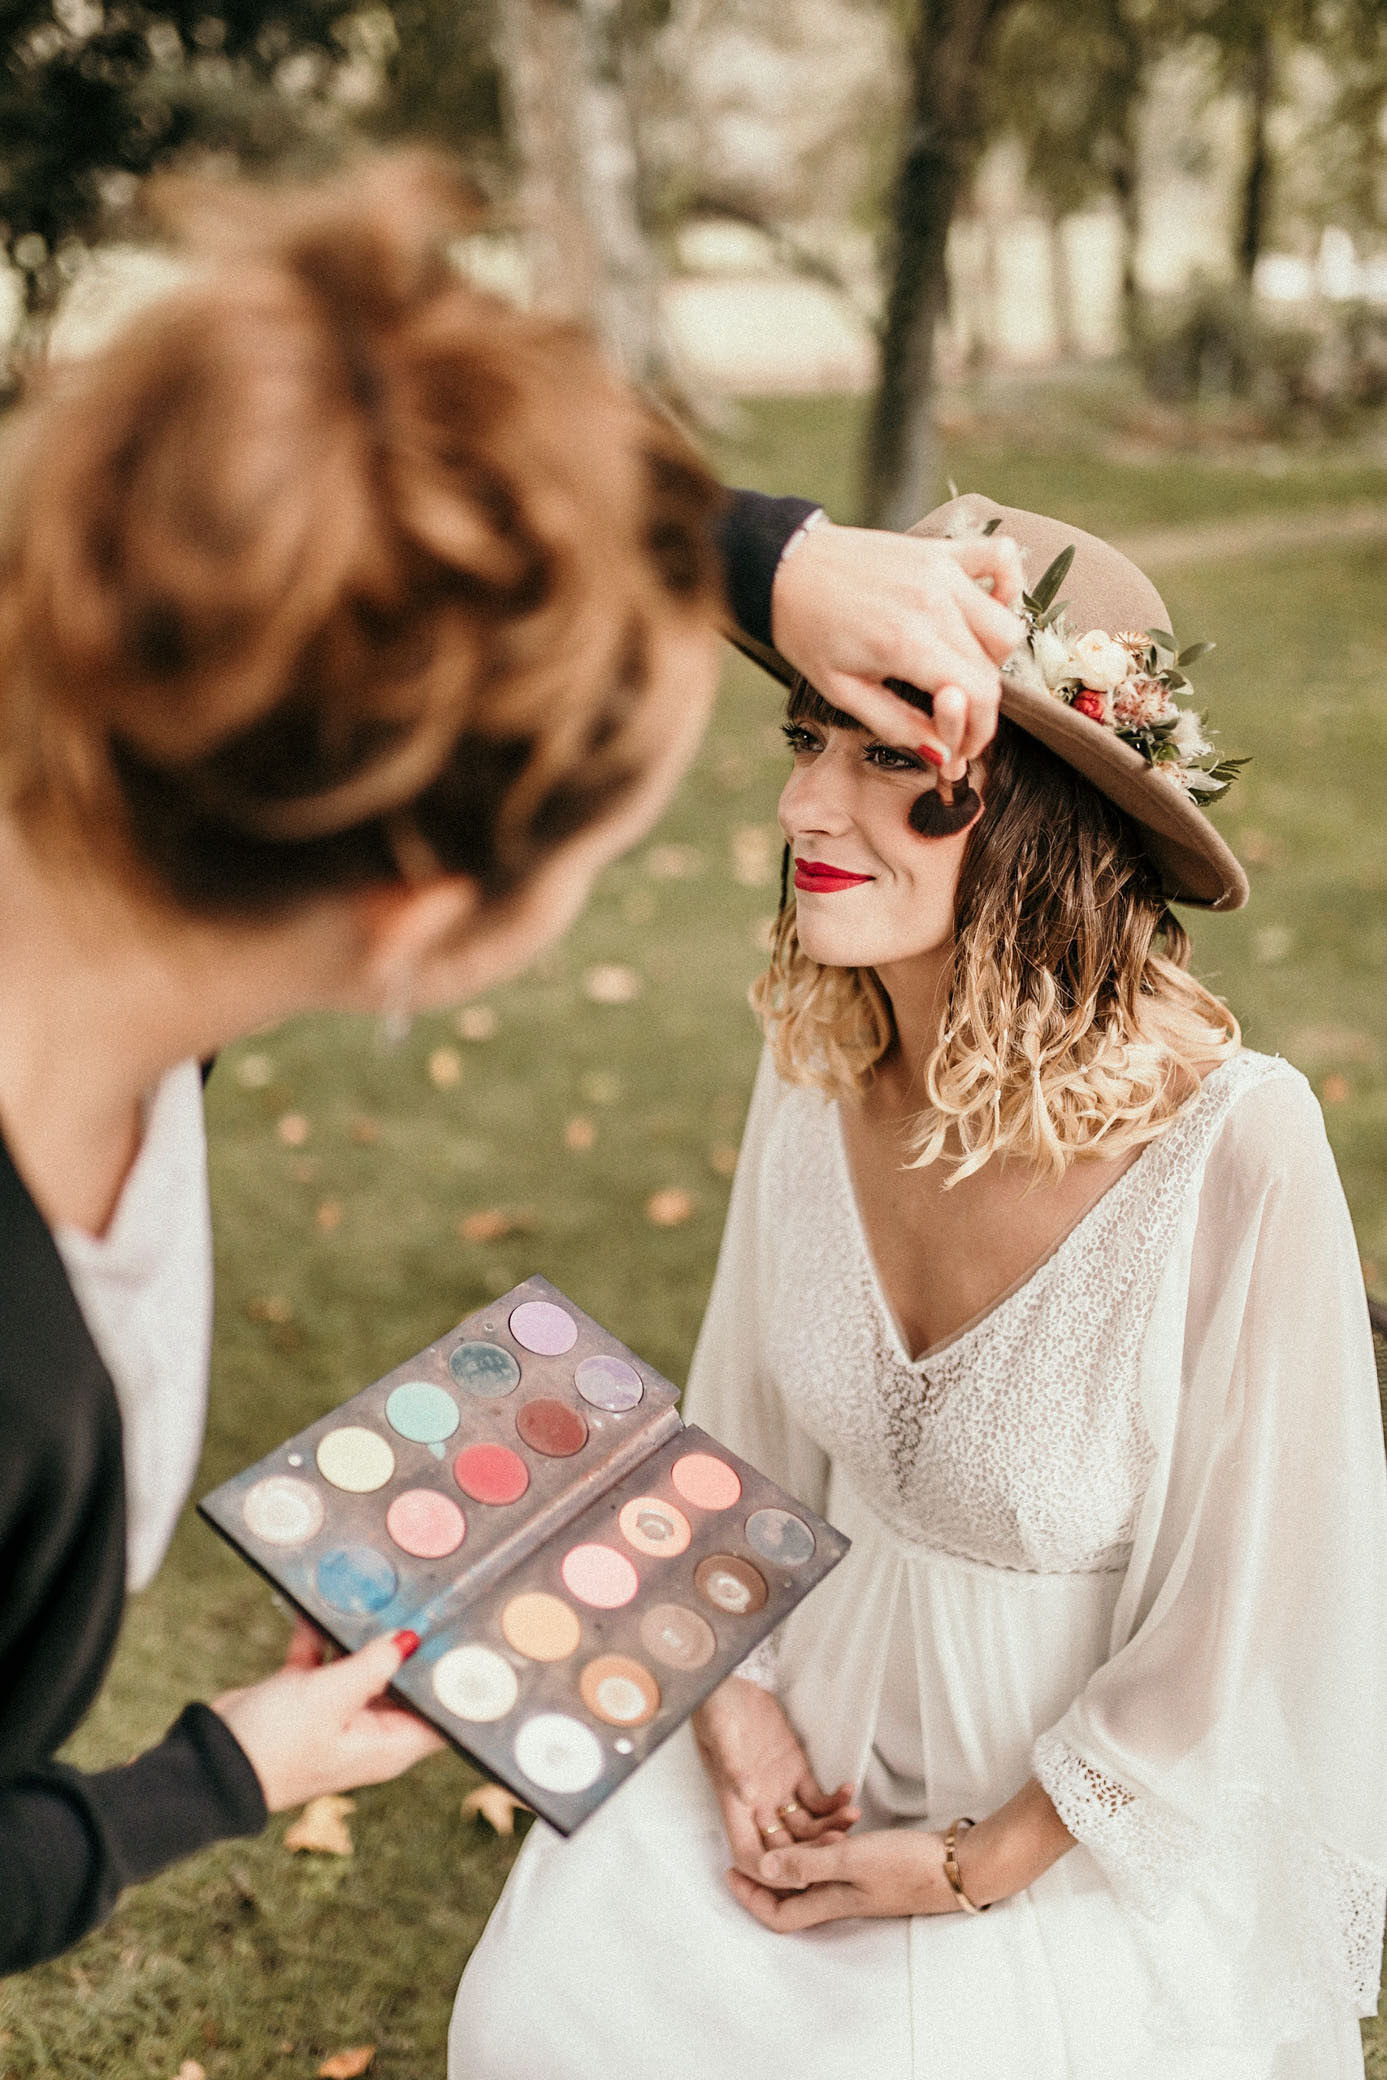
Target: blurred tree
x: 951, y: 46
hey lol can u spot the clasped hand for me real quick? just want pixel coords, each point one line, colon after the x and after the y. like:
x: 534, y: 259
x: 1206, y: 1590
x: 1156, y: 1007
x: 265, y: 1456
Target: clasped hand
x: 820, y: 1872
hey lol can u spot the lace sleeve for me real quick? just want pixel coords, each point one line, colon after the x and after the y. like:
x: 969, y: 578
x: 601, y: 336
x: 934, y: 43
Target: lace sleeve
x: 1223, y: 1768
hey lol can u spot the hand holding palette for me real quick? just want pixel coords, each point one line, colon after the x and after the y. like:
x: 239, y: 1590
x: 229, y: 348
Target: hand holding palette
x: 582, y: 1567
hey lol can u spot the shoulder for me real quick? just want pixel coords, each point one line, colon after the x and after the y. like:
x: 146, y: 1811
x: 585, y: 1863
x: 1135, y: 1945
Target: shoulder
x: 1269, y: 1129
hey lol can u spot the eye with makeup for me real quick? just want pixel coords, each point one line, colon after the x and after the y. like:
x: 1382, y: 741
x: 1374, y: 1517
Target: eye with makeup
x: 886, y: 758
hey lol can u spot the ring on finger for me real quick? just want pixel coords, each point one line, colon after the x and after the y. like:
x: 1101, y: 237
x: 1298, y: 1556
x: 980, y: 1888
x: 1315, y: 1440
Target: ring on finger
x: 775, y: 1827
x: 790, y: 1807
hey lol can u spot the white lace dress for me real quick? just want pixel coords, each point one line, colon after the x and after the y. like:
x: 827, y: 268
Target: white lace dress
x: 1126, y: 1532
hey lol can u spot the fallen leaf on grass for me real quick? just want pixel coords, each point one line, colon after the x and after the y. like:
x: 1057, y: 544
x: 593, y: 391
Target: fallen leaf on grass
x: 293, y: 1130
x: 492, y: 1224
x: 753, y: 855
x: 270, y: 1307
x: 322, y: 1828
x: 348, y: 2064
x: 722, y: 1158
x: 494, y: 1804
x: 674, y: 863
x: 762, y: 934
x: 476, y: 1022
x: 669, y: 1209
x: 579, y: 1135
x: 600, y: 1087
x: 191, y: 2070
x: 611, y: 984
x: 445, y: 1068
x: 329, y: 1216
x: 365, y: 1132
x: 254, y: 1071
x: 1335, y: 1090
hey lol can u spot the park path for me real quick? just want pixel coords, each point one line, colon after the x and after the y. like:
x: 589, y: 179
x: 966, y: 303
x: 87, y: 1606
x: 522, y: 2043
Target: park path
x: 1262, y: 534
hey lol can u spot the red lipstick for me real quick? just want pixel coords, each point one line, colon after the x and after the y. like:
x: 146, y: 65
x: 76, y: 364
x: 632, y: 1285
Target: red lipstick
x: 818, y: 878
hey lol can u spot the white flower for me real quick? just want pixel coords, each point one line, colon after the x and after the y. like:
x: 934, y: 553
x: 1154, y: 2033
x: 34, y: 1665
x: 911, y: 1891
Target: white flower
x: 1052, y: 655
x: 1188, y: 736
x: 1175, y: 775
x: 1100, y: 662
x: 1141, y: 702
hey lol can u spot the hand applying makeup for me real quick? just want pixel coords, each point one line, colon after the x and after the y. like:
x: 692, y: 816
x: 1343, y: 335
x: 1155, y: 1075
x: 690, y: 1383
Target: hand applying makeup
x: 854, y: 607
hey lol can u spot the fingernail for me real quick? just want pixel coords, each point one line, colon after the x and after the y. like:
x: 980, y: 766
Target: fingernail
x: 929, y: 754
x: 407, y: 1642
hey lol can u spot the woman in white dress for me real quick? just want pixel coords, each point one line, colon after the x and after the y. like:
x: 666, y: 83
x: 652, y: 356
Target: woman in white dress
x: 1043, y: 1290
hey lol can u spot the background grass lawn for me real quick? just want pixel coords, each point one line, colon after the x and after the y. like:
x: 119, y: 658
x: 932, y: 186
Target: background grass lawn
x: 342, y: 1177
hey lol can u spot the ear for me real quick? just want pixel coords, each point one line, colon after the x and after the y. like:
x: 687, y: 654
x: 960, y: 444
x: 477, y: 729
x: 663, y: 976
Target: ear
x: 406, y: 925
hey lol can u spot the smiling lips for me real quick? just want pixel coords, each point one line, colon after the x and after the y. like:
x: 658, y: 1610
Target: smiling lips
x: 816, y: 877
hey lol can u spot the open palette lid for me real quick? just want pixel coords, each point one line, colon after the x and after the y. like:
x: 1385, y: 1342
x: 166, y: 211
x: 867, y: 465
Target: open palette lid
x: 581, y: 1566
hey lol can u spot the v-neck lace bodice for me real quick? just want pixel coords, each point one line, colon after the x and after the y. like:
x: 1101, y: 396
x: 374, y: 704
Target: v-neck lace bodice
x: 1019, y: 1441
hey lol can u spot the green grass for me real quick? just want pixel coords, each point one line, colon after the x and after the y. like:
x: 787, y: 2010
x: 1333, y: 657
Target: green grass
x: 245, y: 1951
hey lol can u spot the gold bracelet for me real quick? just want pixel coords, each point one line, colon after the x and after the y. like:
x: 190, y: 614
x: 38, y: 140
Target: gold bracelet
x: 952, y: 1872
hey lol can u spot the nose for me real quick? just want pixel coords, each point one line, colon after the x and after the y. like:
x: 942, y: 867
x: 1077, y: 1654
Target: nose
x: 813, y: 800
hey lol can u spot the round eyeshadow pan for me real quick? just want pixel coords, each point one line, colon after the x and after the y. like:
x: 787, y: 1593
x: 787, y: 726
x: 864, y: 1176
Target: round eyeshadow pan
x: 539, y: 1326
x: 599, y: 1576
x: 558, y: 1753
x: 609, y: 1383
x: 778, y: 1536
x: 491, y: 1473
x: 730, y: 1584
x: 484, y: 1368
x: 283, y: 1511
x: 355, y: 1459
x: 357, y: 1580
x: 654, y: 1527
x: 425, y: 1523
x: 475, y: 1684
x: 619, y: 1690
x: 540, y: 1627
x: 706, y: 1482
x: 677, y: 1637
x: 551, y: 1427
x: 421, y: 1412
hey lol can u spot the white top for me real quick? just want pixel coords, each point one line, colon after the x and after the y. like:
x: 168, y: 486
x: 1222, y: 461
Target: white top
x: 1182, y: 1398
x: 1127, y: 1533
x: 145, y: 1291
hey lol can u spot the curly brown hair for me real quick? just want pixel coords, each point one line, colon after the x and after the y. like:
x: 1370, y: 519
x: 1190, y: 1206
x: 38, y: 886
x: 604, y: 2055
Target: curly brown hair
x: 1071, y: 1025
x: 330, y: 570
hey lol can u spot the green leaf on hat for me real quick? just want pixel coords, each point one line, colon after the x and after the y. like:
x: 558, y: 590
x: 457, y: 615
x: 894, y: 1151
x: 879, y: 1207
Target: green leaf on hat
x: 1194, y: 653
x: 1044, y: 592
x: 993, y: 524
x: 1163, y: 639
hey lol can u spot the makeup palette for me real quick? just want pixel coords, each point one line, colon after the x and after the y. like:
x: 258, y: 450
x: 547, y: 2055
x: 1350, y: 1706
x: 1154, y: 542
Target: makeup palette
x: 581, y: 1566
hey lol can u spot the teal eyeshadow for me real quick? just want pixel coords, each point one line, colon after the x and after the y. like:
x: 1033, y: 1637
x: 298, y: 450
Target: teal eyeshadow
x: 422, y: 1412
x: 484, y: 1368
x: 357, y: 1580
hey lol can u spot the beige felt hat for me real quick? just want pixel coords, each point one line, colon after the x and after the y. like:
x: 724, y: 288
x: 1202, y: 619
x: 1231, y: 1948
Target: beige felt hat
x: 1104, y: 590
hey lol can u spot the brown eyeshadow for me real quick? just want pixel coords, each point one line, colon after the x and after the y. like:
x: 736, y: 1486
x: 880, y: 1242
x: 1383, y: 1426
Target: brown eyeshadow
x: 552, y: 1428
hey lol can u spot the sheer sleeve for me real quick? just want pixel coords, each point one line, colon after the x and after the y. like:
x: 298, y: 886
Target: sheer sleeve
x: 1225, y: 1765
x: 730, y: 1392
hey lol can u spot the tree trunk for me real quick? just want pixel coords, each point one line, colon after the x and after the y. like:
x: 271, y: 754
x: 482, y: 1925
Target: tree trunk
x: 1062, y: 297
x: 573, y: 128
x: 941, y: 146
x: 1261, y: 84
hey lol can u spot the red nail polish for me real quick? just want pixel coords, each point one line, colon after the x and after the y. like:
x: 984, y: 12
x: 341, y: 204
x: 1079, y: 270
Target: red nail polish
x: 407, y: 1642
x: 929, y: 754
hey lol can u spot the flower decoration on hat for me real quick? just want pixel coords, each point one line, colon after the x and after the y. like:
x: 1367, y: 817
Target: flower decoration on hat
x: 1126, y: 683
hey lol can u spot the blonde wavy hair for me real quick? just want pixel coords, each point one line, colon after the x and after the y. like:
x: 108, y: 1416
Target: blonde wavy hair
x: 1070, y: 1027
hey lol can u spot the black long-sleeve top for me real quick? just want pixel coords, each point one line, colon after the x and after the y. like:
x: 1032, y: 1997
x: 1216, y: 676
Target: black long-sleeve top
x: 71, y: 1840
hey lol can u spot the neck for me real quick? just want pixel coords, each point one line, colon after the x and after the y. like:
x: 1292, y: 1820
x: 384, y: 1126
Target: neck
x: 102, y: 994
x: 916, y: 991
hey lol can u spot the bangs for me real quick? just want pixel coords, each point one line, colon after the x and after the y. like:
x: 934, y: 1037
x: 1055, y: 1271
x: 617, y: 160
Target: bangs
x: 805, y: 705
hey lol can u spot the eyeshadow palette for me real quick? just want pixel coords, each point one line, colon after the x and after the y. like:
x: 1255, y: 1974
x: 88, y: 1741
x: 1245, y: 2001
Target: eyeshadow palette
x: 582, y: 1567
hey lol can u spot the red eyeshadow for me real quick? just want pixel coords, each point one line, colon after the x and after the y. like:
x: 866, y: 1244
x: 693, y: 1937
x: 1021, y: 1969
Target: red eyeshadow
x: 491, y: 1473
x: 551, y: 1427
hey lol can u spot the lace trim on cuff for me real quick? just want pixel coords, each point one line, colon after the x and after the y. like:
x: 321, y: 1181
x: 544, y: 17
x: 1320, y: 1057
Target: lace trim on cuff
x: 1316, y: 1915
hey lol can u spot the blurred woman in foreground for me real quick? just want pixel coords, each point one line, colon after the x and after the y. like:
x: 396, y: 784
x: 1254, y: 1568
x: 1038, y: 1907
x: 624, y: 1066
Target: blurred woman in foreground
x: 349, y: 623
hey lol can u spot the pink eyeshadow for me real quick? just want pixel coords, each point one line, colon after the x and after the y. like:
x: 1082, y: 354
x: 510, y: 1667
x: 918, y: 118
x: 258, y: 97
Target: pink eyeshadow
x: 491, y: 1473
x: 706, y: 1482
x: 425, y: 1523
x: 599, y: 1576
